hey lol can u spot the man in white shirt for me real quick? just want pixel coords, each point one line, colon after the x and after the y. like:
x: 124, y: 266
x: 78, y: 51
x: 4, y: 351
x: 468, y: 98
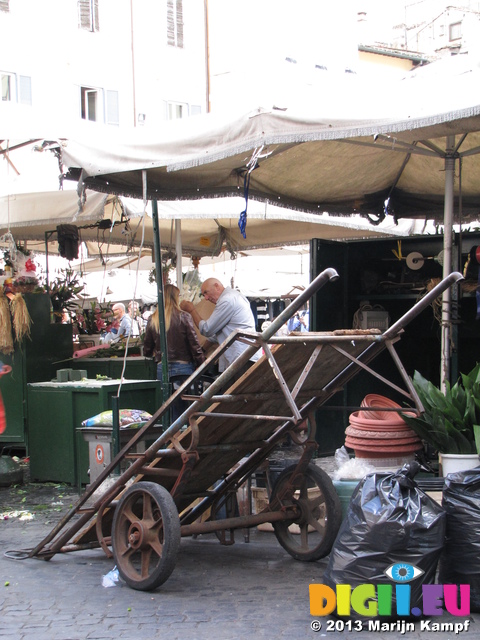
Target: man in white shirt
x: 124, y: 324
x: 232, y: 311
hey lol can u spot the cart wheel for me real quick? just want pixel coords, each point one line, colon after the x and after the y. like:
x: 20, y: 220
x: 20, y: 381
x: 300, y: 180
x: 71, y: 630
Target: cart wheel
x: 311, y: 536
x: 145, y: 535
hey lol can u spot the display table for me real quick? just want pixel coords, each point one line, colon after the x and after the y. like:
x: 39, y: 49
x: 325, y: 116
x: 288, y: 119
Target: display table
x: 56, y: 410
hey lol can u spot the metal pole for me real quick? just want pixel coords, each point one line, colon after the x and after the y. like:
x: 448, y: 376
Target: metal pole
x: 160, y: 297
x: 447, y: 262
x: 47, y: 282
x: 115, y: 432
x: 178, y: 251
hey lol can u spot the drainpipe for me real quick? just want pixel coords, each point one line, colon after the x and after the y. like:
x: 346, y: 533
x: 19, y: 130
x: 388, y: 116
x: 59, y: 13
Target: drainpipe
x: 207, y: 58
x: 133, y: 65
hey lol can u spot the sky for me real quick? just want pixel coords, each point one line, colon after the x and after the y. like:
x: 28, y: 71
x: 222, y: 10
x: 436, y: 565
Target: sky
x: 307, y: 30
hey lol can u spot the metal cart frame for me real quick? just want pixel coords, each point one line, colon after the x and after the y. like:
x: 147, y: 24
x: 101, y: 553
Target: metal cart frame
x: 182, y: 482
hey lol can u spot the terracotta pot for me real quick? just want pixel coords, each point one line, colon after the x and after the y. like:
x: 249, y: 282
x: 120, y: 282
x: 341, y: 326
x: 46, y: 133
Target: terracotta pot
x: 361, y: 420
x: 375, y: 400
x: 380, y: 434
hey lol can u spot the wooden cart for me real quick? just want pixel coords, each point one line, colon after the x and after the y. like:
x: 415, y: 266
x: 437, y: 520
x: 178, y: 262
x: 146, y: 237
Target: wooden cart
x: 181, y: 484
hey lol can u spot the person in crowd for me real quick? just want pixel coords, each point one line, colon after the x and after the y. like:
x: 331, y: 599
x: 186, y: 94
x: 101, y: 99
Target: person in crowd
x: 123, y: 319
x: 121, y: 326
x: 184, y: 351
x: 300, y: 321
x: 232, y: 311
x: 137, y: 320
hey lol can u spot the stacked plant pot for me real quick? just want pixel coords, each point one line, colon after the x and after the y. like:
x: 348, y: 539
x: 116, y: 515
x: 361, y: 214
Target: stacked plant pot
x: 378, y: 433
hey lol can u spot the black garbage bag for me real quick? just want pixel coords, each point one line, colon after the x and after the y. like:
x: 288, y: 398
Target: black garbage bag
x: 460, y: 562
x: 390, y: 524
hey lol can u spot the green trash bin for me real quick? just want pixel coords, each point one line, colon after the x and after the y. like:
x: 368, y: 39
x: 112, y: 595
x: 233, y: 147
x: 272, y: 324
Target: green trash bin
x: 345, y: 489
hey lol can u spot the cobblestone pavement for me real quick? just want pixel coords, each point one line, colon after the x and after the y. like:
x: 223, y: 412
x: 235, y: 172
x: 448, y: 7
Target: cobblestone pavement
x: 217, y: 592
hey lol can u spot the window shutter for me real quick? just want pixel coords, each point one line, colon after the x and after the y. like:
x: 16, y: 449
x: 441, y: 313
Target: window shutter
x: 4, y: 5
x: 170, y: 24
x: 179, y: 21
x: 175, y: 23
x: 96, y: 23
x: 25, y: 90
x: 88, y: 15
x: 112, y: 107
x: 84, y: 15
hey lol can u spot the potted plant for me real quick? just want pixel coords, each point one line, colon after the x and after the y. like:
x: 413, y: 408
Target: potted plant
x: 62, y: 292
x: 451, y: 420
x: 25, y: 284
x: 94, y: 320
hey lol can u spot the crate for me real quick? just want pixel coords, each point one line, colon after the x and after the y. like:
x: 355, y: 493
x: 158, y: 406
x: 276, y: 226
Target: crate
x: 259, y: 502
x: 373, y: 320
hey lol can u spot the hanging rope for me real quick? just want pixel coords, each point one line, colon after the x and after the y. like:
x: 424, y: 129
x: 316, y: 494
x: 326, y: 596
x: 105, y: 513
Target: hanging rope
x: 251, y: 165
x: 242, y: 222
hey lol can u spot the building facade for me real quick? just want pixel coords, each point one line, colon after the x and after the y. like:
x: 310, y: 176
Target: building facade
x: 68, y: 64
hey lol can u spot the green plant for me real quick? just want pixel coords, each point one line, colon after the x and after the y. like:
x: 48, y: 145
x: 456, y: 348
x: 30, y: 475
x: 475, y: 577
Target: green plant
x: 94, y: 320
x: 450, y: 419
x: 166, y: 269
x: 62, y: 291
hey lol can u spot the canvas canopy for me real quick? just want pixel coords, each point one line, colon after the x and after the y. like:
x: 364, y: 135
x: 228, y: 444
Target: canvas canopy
x: 308, y: 158
x: 419, y: 157
x: 208, y: 227
x: 402, y: 163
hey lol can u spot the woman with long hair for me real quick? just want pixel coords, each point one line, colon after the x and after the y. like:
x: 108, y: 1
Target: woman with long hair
x: 184, y: 351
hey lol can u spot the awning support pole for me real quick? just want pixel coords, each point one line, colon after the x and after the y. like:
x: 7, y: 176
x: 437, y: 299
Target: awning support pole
x: 160, y: 297
x: 447, y: 262
x: 178, y: 251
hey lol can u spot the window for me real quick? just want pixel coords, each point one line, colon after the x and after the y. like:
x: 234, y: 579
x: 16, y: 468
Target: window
x: 88, y: 15
x: 89, y: 103
x: 25, y: 90
x: 175, y: 23
x: 455, y: 31
x: 97, y: 105
x: 7, y: 86
x: 176, y: 110
x: 112, y: 109
x: 16, y: 88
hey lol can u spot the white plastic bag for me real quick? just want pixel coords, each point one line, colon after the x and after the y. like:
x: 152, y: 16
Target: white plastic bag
x: 111, y: 579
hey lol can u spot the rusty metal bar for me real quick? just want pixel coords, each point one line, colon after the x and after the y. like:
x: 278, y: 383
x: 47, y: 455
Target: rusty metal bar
x: 240, y: 522
x: 233, y: 446
x: 370, y: 370
x: 158, y: 471
x: 306, y: 371
x: 240, y: 396
x: 253, y: 416
x: 405, y: 377
x: 313, y: 336
x: 281, y: 381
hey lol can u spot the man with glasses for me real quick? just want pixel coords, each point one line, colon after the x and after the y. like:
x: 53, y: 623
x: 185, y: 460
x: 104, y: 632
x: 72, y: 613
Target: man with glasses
x: 232, y: 311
